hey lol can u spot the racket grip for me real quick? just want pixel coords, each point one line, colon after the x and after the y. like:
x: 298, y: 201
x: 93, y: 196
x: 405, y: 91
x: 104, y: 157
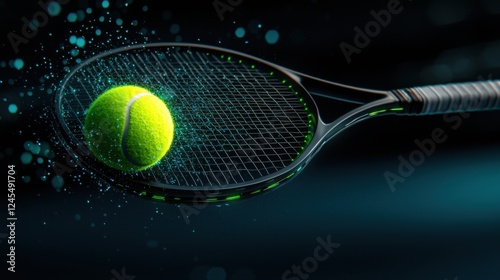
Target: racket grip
x: 451, y: 98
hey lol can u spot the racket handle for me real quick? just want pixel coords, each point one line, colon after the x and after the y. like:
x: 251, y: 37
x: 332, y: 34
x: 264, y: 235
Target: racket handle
x: 451, y: 98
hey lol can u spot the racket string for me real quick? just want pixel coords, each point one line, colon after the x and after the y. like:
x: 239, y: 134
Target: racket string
x: 233, y: 122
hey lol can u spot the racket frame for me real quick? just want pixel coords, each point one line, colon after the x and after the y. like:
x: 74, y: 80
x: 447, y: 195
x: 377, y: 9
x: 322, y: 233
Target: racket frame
x: 371, y: 103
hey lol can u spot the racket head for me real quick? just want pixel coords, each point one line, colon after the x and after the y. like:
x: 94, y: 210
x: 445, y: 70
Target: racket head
x: 244, y: 126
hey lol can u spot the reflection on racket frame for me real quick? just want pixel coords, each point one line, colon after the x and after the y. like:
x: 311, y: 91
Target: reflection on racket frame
x: 244, y: 126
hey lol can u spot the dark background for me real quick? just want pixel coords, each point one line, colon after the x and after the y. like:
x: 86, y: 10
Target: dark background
x: 443, y: 222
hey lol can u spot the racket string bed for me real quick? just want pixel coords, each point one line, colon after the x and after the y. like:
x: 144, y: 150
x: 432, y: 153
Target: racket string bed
x: 233, y: 122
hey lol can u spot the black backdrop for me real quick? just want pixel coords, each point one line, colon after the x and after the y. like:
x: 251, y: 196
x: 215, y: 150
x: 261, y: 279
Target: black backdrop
x: 443, y: 222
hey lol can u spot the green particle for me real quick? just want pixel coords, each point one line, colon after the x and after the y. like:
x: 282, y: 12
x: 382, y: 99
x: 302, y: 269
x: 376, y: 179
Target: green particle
x: 253, y: 66
x: 240, y: 32
x: 105, y: 4
x: 228, y: 58
x: 12, y: 108
x: 272, y: 36
x: 158, y: 197
x: 212, y: 199
x: 18, y: 64
x: 72, y: 17
x: 54, y: 8
x: 290, y: 176
x: 234, y: 197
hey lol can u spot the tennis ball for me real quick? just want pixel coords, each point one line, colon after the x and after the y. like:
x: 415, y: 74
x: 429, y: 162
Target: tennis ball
x: 128, y: 128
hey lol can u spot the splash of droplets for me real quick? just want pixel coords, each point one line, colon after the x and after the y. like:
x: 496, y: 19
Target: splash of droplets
x: 88, y: 31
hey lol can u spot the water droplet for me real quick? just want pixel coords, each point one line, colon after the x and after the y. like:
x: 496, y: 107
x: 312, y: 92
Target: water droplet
x: 72, y: 17
x: 80, y: 42
x: 175, y: 28
x: 18, y: 64
x: 54, y: 8
x: 12, y: 108
x: 272, y: 36
x: 240, y: 32
x: 26, y: 158
x: 57, y: 182
x: 26, y: 178
x: 216, y: 273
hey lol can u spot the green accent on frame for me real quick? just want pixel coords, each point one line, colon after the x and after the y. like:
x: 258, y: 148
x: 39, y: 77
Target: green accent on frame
x: 158, y: 197
x: 233, y: 197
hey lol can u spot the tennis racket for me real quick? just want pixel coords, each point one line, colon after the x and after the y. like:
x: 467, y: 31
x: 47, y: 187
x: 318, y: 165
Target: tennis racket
x: 244, y: 126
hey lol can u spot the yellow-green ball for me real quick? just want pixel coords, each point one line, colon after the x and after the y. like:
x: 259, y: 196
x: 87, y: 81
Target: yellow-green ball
x: 128, y: 128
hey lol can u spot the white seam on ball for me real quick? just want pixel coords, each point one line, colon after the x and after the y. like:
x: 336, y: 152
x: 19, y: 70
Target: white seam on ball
x: 126, y: 127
